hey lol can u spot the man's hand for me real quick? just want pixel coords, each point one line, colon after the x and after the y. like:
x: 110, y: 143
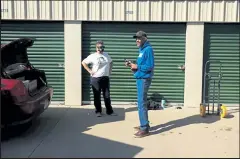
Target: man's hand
x: 133, y: 66
x: 133, y: 70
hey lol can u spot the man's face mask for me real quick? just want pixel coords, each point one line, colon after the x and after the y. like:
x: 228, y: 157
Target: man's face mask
x: 100, y: 48
x: 140, y: 41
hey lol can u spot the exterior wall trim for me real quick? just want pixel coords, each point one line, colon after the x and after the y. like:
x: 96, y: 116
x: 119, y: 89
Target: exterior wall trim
x: 193, y: 64
x: 124, y: 10
x: 73, y: 67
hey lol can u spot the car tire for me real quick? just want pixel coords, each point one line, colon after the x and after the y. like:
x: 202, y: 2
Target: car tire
x: 14, y: 131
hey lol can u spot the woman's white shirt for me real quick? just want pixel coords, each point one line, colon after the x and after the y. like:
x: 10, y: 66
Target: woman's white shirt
x: 100, y: 64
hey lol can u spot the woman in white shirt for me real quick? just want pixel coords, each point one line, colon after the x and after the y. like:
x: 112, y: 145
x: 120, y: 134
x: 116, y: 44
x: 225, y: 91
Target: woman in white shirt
x: 101, y: 69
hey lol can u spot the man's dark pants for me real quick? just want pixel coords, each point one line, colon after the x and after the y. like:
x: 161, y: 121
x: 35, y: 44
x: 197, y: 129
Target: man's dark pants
x: 101, y: 84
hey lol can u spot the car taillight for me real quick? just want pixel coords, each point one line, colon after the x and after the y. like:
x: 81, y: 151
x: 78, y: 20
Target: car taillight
x: 19, y: 92
x: 15, y: 89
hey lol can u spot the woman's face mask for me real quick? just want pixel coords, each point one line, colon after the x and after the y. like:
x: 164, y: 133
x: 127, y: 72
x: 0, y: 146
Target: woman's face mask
x: 100, y: 48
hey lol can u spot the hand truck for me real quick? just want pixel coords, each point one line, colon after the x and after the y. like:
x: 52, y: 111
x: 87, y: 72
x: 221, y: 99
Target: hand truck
x: 211, y: 96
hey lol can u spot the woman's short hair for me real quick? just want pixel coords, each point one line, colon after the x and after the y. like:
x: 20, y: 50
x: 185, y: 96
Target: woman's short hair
x: 99, y: 42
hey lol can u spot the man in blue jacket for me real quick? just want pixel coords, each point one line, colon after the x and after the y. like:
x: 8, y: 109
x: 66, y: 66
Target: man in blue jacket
x: 143, y: 72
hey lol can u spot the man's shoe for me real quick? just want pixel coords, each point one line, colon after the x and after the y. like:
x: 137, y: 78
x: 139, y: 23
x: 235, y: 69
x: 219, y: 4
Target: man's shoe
x: 137, y: 128
x: 142, y: 133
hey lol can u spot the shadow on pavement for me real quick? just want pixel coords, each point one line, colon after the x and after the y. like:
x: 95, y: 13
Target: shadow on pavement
x: 232, y: 111
x: 194, y: 119
x: 131, y: 109
x: 60, y: 132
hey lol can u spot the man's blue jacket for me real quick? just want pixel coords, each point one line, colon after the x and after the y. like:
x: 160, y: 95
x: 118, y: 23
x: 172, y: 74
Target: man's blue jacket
x: 145, y: 62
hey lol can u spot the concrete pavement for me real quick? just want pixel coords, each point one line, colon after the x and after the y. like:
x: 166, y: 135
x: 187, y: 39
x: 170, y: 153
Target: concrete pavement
x: 75, y: 132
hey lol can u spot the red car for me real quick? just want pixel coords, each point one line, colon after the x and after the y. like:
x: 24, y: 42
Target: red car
x: 25, y: 93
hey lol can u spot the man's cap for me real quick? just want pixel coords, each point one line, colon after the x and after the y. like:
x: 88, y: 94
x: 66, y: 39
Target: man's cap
x: 140, y: 34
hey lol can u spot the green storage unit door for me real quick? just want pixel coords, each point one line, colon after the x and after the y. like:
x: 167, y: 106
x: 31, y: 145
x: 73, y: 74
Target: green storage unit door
x: 222, y: 42
x: 47, y: 52
x: 168, y: 41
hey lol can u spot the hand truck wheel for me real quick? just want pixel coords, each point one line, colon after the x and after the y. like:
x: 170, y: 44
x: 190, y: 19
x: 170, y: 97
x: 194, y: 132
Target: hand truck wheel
x: 223, y: 111
x: 202, y: 110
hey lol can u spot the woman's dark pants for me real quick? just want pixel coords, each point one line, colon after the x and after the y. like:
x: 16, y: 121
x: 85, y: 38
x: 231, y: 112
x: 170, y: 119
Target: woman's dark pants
x: 101, y: 84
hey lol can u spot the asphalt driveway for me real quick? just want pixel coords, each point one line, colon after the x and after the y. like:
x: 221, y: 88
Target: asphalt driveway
x: 76, y: 132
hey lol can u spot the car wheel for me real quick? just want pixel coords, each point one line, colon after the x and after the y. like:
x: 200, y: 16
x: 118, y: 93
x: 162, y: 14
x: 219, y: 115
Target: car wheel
x: 14, y: 131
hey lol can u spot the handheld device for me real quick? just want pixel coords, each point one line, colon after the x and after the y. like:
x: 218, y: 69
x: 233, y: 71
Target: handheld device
x: 127, y: 61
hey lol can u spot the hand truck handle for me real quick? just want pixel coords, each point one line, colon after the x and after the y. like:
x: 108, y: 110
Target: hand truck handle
x: 213, y: 61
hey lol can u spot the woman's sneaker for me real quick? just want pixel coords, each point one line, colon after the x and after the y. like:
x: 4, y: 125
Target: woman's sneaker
x: 98, y: 114
x: 112, y: 114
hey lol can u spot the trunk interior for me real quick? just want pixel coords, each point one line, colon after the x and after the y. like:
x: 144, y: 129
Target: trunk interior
x: 33, y: 79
